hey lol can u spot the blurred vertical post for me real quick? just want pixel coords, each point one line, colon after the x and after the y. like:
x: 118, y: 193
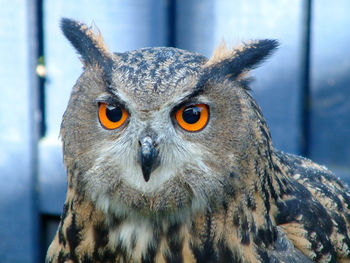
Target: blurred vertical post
x: 35, y: 119
x: 305, y: 78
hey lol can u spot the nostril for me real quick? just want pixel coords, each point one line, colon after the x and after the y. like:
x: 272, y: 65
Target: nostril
x: 140, y: 144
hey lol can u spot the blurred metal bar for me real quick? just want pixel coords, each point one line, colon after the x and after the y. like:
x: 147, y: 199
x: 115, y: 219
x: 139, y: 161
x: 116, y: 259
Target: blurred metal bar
x: 305, y: 78
x: 171, y: 18
x: 35, y: 120
x: 40, y: 67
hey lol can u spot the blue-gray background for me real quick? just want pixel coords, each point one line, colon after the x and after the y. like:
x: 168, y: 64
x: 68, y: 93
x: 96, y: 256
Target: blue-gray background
x: 32, y: 177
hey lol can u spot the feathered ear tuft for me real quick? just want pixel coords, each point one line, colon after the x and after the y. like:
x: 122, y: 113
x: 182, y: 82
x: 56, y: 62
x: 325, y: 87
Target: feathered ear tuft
x: 231, y: 63
x: 89, y: 45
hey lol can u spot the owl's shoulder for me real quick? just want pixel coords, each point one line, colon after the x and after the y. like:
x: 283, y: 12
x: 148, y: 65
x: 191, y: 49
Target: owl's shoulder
x: 316, y: 178
x: 314, y: 212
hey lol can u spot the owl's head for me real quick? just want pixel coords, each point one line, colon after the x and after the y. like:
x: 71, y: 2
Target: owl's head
x: 160, y: 130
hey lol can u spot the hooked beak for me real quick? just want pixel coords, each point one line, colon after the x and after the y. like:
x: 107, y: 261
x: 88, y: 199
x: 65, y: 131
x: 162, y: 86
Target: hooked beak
x: 148, y: 157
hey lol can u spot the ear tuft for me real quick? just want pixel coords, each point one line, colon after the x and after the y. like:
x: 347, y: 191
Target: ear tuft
x: 226, y: 63
x: 220, y: 53
x: 90, y: 45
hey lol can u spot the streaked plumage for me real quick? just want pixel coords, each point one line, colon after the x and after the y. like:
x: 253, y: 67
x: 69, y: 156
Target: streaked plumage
x: 152, y: 191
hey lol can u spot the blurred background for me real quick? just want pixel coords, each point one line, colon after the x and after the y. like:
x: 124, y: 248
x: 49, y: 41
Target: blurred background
x: 303, y: 90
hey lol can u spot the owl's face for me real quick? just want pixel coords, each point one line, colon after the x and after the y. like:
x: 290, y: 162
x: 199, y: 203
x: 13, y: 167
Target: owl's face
x: 157, y: 130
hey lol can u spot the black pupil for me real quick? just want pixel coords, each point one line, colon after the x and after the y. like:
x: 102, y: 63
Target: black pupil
x: 191, y: 114
x: 114, y: 114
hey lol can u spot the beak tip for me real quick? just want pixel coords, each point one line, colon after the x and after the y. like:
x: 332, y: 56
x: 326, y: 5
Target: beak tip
x: 146, y: 177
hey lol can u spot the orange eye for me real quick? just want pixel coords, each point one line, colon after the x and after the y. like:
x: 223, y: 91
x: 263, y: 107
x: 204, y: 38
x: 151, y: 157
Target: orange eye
x: 111, y: 117
x: 193, y: 118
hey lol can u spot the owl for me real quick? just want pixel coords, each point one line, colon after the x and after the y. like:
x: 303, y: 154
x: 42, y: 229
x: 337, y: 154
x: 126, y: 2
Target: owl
x: 169, y: 159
